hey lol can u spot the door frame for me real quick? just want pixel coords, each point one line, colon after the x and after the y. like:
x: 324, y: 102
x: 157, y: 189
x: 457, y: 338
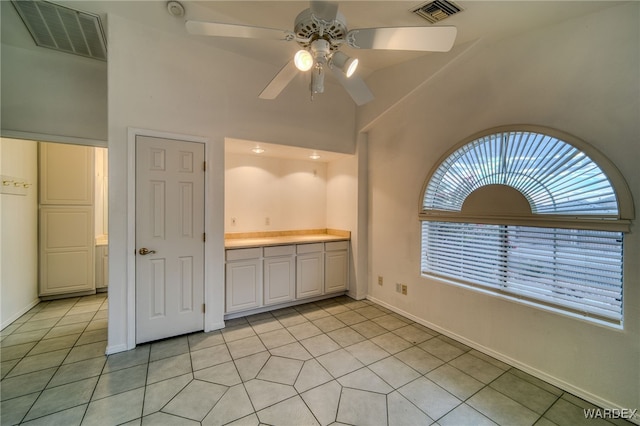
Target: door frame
x: 211, y: 322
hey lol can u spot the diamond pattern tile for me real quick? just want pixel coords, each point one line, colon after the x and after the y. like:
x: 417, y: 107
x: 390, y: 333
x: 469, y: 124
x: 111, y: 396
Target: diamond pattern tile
x: 335, y: 361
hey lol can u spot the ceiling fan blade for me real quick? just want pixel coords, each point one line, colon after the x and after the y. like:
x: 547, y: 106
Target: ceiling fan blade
x: 280, y: 81
x: 232, y: 30
x: 428, y: 39
x: 355, y: 86
x: 325, y: 10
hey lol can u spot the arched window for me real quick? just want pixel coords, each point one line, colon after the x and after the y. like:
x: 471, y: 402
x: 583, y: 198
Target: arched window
x: 529, y: 213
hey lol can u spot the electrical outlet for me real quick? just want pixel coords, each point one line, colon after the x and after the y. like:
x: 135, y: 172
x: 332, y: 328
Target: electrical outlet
x: 233, y: 221
x: 267, y: 221
x: 404, y: 289
x: 379, y: 279
x: 398, y: 287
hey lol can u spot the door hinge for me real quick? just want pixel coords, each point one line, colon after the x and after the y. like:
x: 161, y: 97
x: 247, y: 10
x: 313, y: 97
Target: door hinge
x: 204, y: 166
x: 204, y: 308
x: 204, y: 237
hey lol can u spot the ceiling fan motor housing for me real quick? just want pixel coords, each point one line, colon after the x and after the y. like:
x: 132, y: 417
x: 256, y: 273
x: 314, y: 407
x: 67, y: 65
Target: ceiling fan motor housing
x: 308, y: 26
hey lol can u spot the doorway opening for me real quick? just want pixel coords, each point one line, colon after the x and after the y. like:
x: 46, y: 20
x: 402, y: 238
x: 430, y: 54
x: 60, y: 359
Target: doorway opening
x: 55, y: 233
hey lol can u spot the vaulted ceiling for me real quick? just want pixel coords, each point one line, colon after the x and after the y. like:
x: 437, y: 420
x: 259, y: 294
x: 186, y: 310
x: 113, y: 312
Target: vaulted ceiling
x: 477, y: 20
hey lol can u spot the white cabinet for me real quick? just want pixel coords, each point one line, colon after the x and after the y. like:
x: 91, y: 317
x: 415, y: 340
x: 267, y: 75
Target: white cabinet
x: 66, y: 219
x: 336, y: 266
x: 266, y: 276
x: 243, y: 279
x: 279, y: 274
x: 309, y: 270
x: 102, y: 267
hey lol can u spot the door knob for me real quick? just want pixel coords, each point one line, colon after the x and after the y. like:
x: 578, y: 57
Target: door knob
x: 144, y: 251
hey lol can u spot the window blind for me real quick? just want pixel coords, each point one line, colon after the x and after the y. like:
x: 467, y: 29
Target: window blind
x: 554, y: 176
x: 575, y: 269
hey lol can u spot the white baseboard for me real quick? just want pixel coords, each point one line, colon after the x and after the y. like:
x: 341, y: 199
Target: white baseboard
x: 565, y: 386
x: 115, y: 349
x: 18, y: 314
x: 234, y: 315
x: 215, y: 326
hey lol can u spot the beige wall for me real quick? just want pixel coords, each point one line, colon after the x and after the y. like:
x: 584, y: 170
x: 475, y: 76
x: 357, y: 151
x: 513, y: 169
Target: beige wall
x: 49, y: 93
x: 19, y: 230
x: 291, y: 194
x: 581, y: 77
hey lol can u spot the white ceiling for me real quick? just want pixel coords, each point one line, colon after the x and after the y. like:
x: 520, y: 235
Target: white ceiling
x: 479, y: 19
x: 490, y: 20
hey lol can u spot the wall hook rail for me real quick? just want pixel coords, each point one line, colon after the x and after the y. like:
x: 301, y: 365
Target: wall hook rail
x: 12, y: 185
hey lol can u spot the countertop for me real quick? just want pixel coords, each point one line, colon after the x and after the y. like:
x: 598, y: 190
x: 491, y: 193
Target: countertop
x: 279, y: 240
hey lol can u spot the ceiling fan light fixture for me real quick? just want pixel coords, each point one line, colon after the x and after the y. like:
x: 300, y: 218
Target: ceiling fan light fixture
x: 352, y: 67
x: 344, y: 63
x: 303, y: 60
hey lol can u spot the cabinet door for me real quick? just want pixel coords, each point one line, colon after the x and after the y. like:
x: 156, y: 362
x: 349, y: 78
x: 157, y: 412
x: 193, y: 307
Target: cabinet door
x: 310, y: 275
x: 66, y: 250
x: 102, y: 266
x: 279, y: 279
x: 243, y: 285
x: 336, y: 271
x: 66, y: 174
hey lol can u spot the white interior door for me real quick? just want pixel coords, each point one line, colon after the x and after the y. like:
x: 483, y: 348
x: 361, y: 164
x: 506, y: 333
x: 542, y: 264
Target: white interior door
x: 169, y: 238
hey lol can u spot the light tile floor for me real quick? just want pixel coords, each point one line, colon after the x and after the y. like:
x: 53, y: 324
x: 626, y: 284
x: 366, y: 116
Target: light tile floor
x: 337, y: 361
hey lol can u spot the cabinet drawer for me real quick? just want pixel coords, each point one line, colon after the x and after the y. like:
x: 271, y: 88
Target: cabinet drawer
x: 336, y: 245
x: 309, y: 248
x: 242, y: 254
x: 279, y: 251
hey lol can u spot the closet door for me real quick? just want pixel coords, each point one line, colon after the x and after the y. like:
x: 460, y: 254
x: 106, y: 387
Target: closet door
x: 66, y: 250
x: 66, y: 228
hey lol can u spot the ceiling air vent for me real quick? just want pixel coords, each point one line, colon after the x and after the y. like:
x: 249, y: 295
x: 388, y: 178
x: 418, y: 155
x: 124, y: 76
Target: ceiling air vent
x: 436, y: 11
x: 61, y: 28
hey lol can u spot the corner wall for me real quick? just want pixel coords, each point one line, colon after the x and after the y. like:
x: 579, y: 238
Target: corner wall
x: 343, y: 213
x: 581, y: 77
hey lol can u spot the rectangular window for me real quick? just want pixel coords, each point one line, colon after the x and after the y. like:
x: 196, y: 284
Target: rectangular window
x: 576, y: 270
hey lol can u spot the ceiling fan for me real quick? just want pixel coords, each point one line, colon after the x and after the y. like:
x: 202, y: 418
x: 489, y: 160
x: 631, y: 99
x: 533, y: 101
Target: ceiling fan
x: 320, y: 31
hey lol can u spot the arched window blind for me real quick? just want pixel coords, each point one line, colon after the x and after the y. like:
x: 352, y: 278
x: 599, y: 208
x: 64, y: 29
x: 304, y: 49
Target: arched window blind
x: 554, y: 176
x: 526, y: 214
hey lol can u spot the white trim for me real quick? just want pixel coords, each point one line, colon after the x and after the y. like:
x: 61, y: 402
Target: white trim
x: 130, y: 322
x: 132, y: 133
x: 42, y: 137
x: 269, y: 308
x: 565, y: 386
x: 115, y: 349
x: 18, y: 314
x: 213, y: 326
